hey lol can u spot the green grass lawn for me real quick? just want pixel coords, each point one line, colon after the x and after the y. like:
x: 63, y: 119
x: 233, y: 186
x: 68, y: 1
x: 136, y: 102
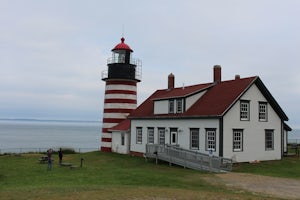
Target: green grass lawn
x: 114, y: 176
x: 288, y: 167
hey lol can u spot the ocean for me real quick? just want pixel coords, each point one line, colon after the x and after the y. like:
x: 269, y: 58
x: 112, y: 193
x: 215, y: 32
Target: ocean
x: 40, y: 135
x: 33, y: 135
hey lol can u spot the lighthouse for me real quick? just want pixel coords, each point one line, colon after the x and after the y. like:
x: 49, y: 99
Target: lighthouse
x: 121, y: 78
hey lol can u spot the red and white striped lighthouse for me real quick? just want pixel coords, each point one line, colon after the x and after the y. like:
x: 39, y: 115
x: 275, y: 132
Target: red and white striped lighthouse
x: 120, y: 90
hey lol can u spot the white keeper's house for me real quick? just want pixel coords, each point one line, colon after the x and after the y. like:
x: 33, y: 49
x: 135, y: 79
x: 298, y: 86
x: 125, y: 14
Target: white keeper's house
x: 237, y: 119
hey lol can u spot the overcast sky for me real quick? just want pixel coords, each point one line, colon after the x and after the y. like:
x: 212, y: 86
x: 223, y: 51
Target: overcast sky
x: 52, y: 52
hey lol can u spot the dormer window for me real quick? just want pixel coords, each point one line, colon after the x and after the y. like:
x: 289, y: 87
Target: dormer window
x: 171, y: 106
x: 176, y: 105
x: 179, y: 106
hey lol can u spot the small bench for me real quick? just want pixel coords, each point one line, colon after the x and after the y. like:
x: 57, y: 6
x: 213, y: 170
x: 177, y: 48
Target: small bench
x: 73, y: 167
x: 43, y: 159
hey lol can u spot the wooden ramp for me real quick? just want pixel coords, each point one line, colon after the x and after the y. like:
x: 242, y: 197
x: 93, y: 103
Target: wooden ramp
x: 187, y: 158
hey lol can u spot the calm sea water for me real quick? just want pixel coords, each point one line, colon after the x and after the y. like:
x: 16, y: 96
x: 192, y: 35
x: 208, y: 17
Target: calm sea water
x: 83, y: 136
x: 16, y: 134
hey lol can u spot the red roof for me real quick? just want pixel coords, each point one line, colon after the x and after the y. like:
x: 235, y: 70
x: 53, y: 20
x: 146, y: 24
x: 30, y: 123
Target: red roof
x: 219, y: 98
x: 122, y: 46
x: 122, y: 126
x: 215, y: 102
x: 182, y: 91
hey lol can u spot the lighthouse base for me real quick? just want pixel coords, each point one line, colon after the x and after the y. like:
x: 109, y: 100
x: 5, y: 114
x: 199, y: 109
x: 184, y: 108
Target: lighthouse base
x: 106, y: 149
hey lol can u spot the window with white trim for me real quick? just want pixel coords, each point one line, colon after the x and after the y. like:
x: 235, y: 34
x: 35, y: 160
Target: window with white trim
x: 210, y: 139
x: 262, y: 111
x: 244, y: 110
x: 179, y: 105
x: 269, y: 139
x: 171, y: 106
x: 237, y: 140
x: 194, y: 138
x: 139, y: 135
x: 150, y: 135
x: 161, y: 135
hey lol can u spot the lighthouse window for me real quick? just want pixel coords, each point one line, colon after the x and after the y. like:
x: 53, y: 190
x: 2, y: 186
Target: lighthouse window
x: 119, y: 57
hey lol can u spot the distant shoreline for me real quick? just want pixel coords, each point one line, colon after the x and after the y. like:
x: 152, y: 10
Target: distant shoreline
x: 47, y: 120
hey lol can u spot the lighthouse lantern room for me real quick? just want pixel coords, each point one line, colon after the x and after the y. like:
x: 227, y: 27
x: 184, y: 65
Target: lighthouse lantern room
x: 120, y: 98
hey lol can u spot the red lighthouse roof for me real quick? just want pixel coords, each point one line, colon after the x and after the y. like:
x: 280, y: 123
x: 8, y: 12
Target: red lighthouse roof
x: 122, y: 46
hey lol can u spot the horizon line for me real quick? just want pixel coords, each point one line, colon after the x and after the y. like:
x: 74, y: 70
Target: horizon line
x: 53, y: 120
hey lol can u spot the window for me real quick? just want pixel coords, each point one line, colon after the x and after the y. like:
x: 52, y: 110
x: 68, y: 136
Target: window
x: 179, y: 103
x: 269, y: 135
x: 139, y: 135
x: 245, y: 110
x: 119, y: 57
x: 173, y: 136
x: 237, y: 140
x: 151, y: 135
x: 171, y: 106
x: 161, y: 135
x: 262, y: 111
x: 122, y: 139
x: 194, y: 135
x: 211, y: 139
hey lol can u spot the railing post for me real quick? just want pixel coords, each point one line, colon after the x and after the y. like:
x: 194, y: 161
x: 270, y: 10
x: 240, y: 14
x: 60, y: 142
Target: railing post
x: 210, y: 163
x: 201, y: 162
x: 170, y: 156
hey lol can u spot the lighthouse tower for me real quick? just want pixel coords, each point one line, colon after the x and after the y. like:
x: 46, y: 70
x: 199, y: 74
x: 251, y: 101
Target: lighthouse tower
x: 120, y: 99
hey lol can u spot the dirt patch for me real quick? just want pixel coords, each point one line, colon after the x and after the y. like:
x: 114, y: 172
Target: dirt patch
x: 271, y: 186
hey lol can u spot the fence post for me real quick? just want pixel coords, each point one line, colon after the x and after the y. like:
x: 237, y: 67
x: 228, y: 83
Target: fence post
x: 184, y: 160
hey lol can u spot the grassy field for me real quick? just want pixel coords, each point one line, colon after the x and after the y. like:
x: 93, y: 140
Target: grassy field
x: 114, y: 176
x: 286, y: 168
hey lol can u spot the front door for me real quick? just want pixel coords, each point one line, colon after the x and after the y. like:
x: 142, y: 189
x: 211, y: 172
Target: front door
x: 173, y: 138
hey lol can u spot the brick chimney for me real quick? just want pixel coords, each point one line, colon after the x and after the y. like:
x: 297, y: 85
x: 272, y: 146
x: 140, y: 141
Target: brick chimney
x: 171, y: 81
x: 217, y: 74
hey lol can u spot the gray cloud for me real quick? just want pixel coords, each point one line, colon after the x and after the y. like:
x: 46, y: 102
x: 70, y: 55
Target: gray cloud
x: 52, y: 52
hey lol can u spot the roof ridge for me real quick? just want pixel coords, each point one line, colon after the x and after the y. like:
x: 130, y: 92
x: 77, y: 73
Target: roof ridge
x: 212, y: 83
